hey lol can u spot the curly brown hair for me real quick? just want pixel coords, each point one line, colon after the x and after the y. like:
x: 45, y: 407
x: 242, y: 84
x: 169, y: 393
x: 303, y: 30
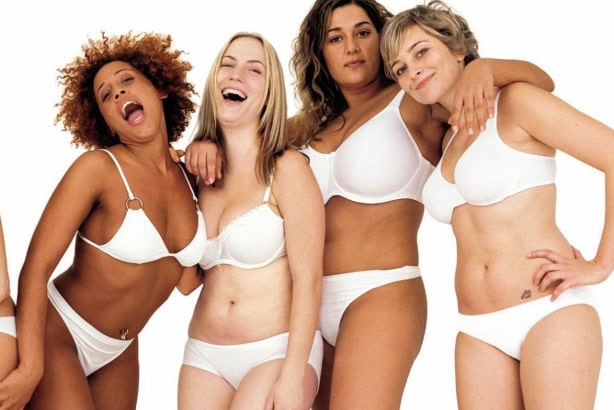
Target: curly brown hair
x: 320, y: 97
x: 151, y: 54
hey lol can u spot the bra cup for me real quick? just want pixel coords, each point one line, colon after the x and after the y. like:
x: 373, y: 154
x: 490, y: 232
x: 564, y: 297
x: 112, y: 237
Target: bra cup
x: 379, y: 162
x: 364, y: 162
x: 252, y: 240
x: 252, y: 244
x: 486, y: 179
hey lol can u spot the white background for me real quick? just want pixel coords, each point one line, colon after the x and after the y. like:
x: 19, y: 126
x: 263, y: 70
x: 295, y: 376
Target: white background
x: 571, y: 42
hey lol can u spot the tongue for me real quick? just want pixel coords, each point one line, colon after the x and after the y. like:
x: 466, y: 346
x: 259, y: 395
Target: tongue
x: 135, y: 115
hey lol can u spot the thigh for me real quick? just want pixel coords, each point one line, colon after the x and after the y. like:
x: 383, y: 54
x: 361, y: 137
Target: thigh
x: 8, y: 354
x: 201, y: 390
x: 257, y: 385
x: 379, y: 338
x: 63, y: 385
x: 561, y: 358
x: 115, y: 386
x: 486, y: 378
x: 322, y: 401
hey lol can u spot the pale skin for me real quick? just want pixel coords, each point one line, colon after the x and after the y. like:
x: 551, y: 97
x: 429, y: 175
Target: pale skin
x: 386, y: 236
x: 8, y: 344
x: 519, y: 235
x: 239, y: 305
x: 109, y: 294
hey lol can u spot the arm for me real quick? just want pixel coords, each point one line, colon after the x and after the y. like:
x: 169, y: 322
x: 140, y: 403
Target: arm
x: 474, y: 99
x: 204, y: 159
x: 301, y: 205
x: 68, y: 206
x: 555, y: 123
x: 5, y: 289
x: 191, y: 278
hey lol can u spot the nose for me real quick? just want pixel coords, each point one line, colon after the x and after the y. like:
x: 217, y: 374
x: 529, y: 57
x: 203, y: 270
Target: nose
x: 351, y: 45
x: 415, y: 73
x: 120, y: 93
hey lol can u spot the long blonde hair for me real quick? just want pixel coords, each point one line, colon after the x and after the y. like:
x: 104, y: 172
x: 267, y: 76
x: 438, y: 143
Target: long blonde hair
x: 273, y: 115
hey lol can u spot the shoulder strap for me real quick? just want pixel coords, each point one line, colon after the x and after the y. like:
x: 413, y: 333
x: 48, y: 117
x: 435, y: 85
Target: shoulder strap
x: 121, y: 173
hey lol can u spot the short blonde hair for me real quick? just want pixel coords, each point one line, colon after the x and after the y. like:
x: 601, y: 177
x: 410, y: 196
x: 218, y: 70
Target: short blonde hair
x: 437, y: 19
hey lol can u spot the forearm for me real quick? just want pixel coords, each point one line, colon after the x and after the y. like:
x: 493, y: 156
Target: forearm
x: 303, y: 324
x: 510, y: 71
x: 31, y: 315
x: 191, y: 278
x: 605, y: 253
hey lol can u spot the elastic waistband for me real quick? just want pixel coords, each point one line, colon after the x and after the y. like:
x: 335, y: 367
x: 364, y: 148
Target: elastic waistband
x: 402, y: 272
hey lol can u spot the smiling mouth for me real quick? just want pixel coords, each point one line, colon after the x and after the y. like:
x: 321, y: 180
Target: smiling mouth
x: 232, y: 94
x: 131, y: 109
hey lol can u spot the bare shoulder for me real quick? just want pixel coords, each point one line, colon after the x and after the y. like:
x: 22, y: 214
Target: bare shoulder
x: 522, y: 100
x: 91, y: 163
x: 521, y: 93
x: 291, y: 162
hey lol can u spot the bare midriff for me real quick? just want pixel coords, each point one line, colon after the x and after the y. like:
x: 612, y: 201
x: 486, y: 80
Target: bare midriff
x: 239, y: 305
x: 493, y: 271
x: 370, y: 236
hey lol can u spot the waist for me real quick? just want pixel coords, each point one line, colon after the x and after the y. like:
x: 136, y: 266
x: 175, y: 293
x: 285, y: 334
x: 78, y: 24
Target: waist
x: 494, y: 283
x: 363, y: 237
x: 223, y: 320
x: 239, y: 304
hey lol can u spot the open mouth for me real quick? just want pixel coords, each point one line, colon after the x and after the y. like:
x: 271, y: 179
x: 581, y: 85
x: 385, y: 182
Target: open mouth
x: 232, y: 94
x: 131, y: 110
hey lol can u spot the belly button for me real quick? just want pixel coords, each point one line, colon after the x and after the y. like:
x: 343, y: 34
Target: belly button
x: 123, y: 333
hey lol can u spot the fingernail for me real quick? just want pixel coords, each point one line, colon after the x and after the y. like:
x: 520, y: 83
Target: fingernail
x: 210, y: 181
x: 470, y: 131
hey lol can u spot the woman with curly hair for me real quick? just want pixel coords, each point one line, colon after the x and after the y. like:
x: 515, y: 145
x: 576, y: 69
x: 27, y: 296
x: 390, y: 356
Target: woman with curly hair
x: 136, y: 220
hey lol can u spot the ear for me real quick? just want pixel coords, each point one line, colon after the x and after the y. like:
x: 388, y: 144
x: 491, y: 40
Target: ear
x: 162, y: 95
x: 460, y: 57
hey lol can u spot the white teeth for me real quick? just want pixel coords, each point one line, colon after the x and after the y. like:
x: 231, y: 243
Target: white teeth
x: 127, y: 103
x: 228, y: 91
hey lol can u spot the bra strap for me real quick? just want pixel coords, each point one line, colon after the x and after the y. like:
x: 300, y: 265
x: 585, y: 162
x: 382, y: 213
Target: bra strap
x: 188, y: 182
x: 267, y: 191
x: 267, y: 194
x: 121, y: 173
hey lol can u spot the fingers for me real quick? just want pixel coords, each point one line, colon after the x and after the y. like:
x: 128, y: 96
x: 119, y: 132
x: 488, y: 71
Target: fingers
x: 545, y: 254
x: 176, y: 154
x: 489, y: 97
x: 196, y: 164
x: 472, y: 109
x: 218, y: 165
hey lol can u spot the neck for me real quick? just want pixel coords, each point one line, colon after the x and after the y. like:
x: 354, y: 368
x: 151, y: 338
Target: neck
x: 241, y: 146
x: 155, y: 153
x: 356, y: 96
